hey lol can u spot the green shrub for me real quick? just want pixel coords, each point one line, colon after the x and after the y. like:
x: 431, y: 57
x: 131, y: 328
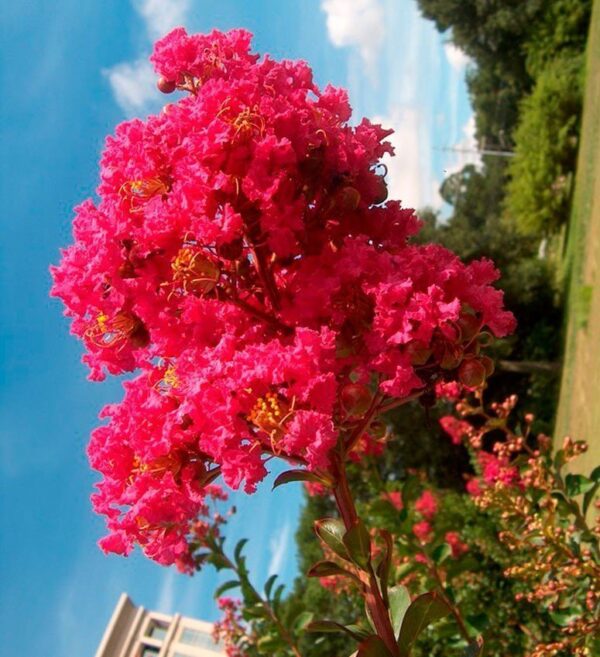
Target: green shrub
x: 537, y: 198
x: 560, y: 30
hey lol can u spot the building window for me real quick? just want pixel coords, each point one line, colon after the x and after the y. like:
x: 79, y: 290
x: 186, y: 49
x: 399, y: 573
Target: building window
x: 149, y: 651
x: 198, y: 639
x: 157, y: 630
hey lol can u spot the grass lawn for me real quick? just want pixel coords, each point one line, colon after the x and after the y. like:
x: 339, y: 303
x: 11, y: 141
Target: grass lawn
x: 579, y: 404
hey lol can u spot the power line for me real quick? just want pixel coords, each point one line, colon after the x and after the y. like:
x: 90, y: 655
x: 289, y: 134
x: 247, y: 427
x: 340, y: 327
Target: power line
x: 483, y: 151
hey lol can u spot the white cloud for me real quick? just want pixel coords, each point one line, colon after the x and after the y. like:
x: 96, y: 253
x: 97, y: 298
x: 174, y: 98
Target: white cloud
x: 161, y: 16
x: 409, y: 170
x: 134, y: 86
x: 166, y: 596
x: 134, y: 83
x: 278, y: 546
x: 466, y: 151
x: 357, y: 24
x: 457, y: 59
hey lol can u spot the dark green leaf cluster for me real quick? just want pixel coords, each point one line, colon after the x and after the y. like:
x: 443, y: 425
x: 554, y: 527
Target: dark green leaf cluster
x: 546, y: 139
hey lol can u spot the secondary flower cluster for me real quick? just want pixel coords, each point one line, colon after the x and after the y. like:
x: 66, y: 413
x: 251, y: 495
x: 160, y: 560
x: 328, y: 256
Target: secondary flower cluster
x: 542, y: 516
x: 243, y: 259
x: 230, y: 631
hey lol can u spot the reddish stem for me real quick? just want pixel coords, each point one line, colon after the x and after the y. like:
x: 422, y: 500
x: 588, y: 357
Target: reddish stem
x: 261, y: 314
x: 372, y: 595
x: 433, y: 569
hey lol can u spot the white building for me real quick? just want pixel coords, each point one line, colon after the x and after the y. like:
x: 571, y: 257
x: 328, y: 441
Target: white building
x: 137, y: 632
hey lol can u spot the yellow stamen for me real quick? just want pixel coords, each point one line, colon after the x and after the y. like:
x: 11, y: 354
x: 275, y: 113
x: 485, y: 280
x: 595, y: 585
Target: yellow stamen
x: 117, y: 331
x: 193, y: 272
x: 247, y: 123
x: 269, y: 415
x: 138, y: 192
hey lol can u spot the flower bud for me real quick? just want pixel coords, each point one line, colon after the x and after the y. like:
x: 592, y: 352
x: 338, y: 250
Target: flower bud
x: 139, y: 336
x: 418, y: 352
x: 232, y: 250
x: 469, y: 326
x: 381, y: 193
x: 348, y: 199
x: 451, y: 358
x: 488, y: 363
x: 166, y: 86
x: 356, y: 399
x: 472, y: 373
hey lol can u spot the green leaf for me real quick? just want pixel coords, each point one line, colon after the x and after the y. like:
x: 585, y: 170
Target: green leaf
x: 201, y: 558
x: 237, y: 553
x: 219, y: 561
x: 399, y: 599
x: 269, y: 643
x: 250, y: 596
x: 231, y: 584
x: 354, y: 631
x: 478, y: 623
x: 331, y: 531
x: 424, y: 610
x: 595, y: 475
x: 590, y: 496
x: 576, y: 484
x: 456, y: 567
x: 559, y: 459
x: 257, y: 610
x: 328, y: 568
x: 563, y: 617
x: 277, y: 596
x: 441, y: 553
x: 269, y: 585
x: 372, y: 647
x: 405, y: 569
x: 565, y: 504
x: 294, y: 475
x: 411, y: 490
x: 358, y: 544
x: 302, y: 620
x: 475, y: 648
x: 383, y: 568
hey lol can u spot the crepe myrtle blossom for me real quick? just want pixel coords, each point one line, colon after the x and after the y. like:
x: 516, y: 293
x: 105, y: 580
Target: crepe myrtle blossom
x: 243, y: 260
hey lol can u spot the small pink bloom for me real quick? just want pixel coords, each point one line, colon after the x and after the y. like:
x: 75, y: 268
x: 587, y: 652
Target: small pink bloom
x: 456, y: 545
x: 473, y: 487
x: 395, y: 499
x: 427, y: 505
x: 455, y: 428
x: 423, y: 531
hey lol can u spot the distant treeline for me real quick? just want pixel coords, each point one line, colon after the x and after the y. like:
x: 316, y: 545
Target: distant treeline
x: 525, y: 82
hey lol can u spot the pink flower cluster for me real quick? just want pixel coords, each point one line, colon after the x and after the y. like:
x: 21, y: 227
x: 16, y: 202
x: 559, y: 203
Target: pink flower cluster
x: 243, y: 259
x: 229, y: 630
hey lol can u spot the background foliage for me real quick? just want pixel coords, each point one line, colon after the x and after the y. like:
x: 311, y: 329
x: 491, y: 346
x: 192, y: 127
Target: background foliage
x: 525, y: 82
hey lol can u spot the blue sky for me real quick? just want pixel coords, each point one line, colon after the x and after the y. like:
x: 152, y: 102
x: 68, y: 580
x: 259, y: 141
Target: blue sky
x: 71, y: 70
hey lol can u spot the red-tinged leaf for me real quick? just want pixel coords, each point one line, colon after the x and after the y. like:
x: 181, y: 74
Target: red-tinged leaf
x: 354, y: 631
x: 358, y: 544
x: 424, y: 610
x: 399, y: 602
x: 331, y: 531
x: 294, y: 475
x: 372, y: 647
x: 328, y: 569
